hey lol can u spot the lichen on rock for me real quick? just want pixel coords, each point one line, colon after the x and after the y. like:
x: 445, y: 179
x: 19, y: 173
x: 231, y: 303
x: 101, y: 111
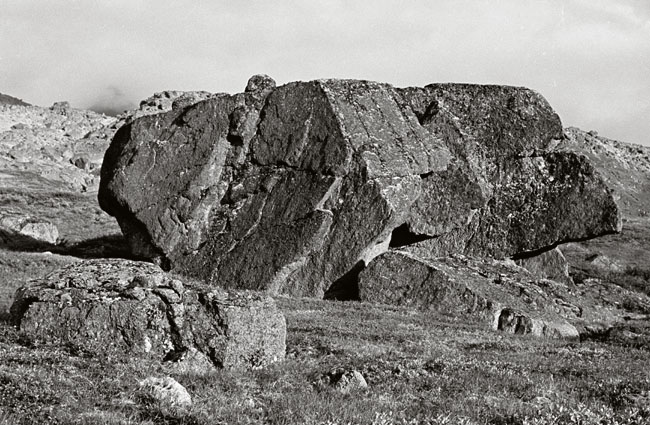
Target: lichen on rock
x: 134, y: 308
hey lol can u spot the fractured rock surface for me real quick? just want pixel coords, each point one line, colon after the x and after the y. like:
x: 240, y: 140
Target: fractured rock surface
x: 294, y: 189
x: 135, y: 308
x: 287, y: 200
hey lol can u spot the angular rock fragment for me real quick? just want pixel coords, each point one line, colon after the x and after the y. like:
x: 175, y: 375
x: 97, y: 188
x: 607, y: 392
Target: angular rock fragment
x: 350, y: 381
x: 294, y: 189
x: 37, y: 230
x: 135, y: 308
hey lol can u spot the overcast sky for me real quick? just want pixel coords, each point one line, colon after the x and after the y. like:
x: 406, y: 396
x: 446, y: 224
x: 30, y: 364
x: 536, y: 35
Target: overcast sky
x: 589, y: 58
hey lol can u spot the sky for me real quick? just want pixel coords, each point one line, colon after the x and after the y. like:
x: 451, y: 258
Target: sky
x: 589, y: 58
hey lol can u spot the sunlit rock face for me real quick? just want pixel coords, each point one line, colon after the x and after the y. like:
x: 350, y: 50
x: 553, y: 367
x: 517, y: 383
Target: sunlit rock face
x: 295, y: 189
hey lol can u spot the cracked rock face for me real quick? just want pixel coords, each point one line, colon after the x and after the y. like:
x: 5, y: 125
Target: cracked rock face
x: 130, y: 307
x: 294, y: 189
x: 520, y: 196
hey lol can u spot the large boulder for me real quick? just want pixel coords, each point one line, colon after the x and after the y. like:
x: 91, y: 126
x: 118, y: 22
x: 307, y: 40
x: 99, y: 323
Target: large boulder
x: 134, y: 308
x: 295, y: 189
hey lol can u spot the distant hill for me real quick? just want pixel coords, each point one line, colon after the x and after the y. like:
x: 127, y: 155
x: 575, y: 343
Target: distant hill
x: 10, y: 100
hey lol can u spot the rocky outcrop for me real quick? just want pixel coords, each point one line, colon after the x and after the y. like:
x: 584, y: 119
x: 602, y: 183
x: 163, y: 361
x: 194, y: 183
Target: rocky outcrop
x: 39, y: 147
x: 294, y: 189
x: 121, y: 306
x: 166, y: 101
x: 497, y: 293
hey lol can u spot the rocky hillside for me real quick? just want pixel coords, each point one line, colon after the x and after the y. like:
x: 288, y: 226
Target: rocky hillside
x: 620, y: 258
x: 47, y: 148
x: 10, y: 100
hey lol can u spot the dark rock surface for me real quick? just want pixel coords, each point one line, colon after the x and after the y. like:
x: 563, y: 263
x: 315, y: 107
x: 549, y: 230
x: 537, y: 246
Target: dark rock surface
x: 625, y: 168
x: 287, y: 201
x: 121, y: 306
x: 524, y: 197
x: 294, y: 189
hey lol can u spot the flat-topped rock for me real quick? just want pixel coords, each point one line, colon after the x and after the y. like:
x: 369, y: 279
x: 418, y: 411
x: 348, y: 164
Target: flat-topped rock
x: 135, y: 308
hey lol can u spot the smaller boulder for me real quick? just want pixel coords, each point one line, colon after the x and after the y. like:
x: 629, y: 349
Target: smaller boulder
x: 134, y: 308
x: 61, y: 107
x: 260, y: 83
x: 605, y: 264
x: 165, y: 395
x: 41, y: 231
x: 344, y: 381
x: 350, y: 381
x: 37, y: 230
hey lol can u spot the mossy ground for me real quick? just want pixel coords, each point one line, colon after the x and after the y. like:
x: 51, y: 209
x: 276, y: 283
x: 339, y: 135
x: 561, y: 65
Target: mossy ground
x: 420, y: 367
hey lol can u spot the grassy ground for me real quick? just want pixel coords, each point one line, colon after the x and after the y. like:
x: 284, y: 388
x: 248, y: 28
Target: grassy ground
x: 85, y: 232
x: 421, y: 368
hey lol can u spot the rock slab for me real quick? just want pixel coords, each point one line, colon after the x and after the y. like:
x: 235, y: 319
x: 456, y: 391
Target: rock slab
x: 134, y: 308
x: 499, y: 294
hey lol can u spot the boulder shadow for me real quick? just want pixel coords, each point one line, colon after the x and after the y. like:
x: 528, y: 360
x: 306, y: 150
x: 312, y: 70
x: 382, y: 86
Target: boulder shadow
x: 107, y: 246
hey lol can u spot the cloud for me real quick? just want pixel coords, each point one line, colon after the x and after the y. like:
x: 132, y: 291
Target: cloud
x: 112, y: 101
